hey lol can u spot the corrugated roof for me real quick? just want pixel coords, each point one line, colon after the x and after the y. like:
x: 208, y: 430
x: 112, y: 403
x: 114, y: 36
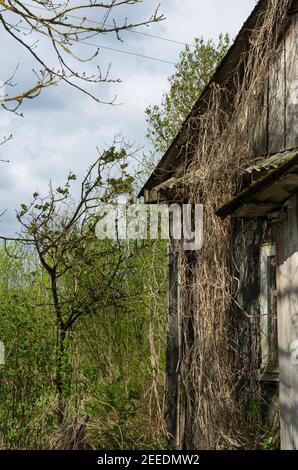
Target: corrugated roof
x: 275, y: 161
x: 277, y: 182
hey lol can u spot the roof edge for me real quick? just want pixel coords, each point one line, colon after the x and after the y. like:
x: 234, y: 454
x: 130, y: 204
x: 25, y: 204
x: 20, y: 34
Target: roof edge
x: 222, y: 69
x: 261, y: 184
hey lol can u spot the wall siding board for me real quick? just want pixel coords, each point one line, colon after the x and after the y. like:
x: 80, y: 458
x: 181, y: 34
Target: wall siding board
x: 276, y: 125
x: 276, y: 120
x: 291, y: 54
x: 287, y: 284
x: 259, y: 142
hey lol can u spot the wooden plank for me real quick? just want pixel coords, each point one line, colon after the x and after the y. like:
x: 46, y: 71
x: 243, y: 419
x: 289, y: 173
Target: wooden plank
x: 276, y: 119
x: 290, y: 178
x: 188, y: 309
x: 275, y: 194
x: 255, y: 209
x: 293, y: 339
x: 285, y: 388
x: 172, y: 351
x: 181, y: 411
x: 259, y: 119
x: 291, y: 54
x: 287, y: 284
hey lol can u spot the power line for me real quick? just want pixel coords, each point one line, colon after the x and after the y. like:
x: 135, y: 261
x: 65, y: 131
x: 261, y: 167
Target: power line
x: 126, y: 52
x: 98, y: 46
x: 155, y: 37
x: 129, y: 30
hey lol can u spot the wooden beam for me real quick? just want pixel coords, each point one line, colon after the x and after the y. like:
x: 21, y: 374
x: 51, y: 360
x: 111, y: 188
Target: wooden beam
x: 255, y: 209
x: 291, y: 57
x: 172, y: 351
x: 291, y: 178
x: 277, y: 90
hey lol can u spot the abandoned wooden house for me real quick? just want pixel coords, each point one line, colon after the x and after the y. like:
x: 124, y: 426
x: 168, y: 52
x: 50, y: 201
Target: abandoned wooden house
x: 232, y: 348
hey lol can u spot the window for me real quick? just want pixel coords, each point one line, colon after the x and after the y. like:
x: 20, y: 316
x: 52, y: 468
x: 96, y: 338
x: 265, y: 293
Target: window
x: 268, y: 310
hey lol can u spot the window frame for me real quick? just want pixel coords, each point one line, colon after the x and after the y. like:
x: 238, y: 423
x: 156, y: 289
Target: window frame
x: 269, y: 371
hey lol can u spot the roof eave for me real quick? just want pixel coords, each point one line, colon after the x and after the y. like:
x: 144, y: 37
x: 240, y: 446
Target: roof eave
x: 248, y: 202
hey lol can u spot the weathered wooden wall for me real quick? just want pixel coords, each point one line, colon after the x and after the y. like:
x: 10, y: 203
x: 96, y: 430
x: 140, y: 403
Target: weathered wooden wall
x: 275, y: 129
x: 276, y: 126
x: 287, y: 285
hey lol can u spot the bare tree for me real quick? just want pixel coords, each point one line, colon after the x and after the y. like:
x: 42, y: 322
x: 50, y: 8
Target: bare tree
x: 80, y: 268
x: 62, y: 25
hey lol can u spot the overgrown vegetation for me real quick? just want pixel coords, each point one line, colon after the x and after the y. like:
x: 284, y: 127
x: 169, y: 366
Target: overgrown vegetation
x: 83, y: 321
x: 194, y: 69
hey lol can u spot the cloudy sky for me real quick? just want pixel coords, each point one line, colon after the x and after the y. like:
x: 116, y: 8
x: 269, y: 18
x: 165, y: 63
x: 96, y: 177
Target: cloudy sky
x: 62, y: 128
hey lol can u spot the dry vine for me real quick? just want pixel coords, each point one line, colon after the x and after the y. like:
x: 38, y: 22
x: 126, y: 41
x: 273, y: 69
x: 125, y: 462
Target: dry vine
x: 220, y: 148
